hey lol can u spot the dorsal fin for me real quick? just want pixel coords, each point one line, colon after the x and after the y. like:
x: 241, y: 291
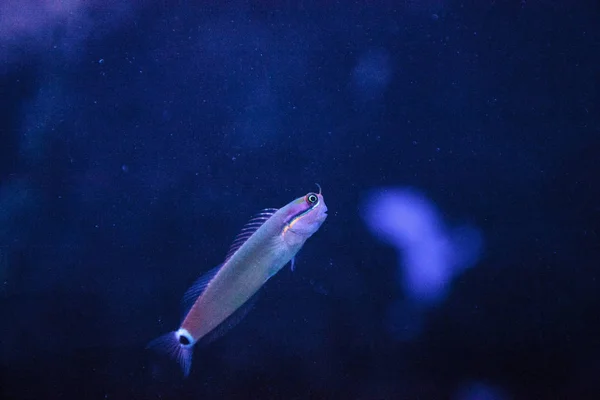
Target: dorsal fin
x: 251, y: 226
x: 192, y: 294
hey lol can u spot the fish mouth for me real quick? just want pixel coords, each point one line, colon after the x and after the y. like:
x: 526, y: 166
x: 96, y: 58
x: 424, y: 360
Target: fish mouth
x: 323, y: 216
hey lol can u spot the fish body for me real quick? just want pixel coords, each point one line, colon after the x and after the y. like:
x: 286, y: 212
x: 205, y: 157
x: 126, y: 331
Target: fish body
x: 265, y: 245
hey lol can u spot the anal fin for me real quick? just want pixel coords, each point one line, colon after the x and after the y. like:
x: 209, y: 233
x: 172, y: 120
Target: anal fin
x: 230, y: 321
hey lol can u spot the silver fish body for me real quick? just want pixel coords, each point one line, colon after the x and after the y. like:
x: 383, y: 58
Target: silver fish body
x: 266, y: 244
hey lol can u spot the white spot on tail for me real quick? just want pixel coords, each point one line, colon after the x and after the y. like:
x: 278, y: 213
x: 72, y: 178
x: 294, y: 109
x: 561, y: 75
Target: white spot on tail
x: 184, y: 338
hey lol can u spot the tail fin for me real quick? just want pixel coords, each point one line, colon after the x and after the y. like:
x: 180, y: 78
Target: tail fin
x: 173, y: 346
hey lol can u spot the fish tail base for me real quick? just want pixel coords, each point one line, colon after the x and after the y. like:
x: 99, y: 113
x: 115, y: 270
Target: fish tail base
x: 175, y: 345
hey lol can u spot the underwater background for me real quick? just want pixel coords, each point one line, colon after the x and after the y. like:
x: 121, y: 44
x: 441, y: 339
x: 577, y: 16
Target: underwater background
x: 457, y: 144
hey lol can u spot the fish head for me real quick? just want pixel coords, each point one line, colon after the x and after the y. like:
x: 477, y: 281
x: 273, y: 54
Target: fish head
x: 304, y: 216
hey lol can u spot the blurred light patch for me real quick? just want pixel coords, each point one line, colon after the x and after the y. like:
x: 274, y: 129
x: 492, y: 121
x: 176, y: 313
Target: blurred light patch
x: 43, y: 116
x: 372, y: 74
x: 479, y: 391
x: 22, y: 18
x: 432, y: 254
x: 44, y: 25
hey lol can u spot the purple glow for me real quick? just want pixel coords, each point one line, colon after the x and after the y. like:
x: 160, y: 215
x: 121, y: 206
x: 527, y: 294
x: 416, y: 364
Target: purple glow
x: 432, y: 254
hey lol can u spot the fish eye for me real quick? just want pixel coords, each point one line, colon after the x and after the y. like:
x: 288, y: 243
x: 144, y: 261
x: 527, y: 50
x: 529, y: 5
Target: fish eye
x: 311, y: 198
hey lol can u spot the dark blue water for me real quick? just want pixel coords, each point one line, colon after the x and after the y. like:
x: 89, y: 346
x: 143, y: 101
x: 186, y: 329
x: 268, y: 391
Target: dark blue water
x: 456, y: 144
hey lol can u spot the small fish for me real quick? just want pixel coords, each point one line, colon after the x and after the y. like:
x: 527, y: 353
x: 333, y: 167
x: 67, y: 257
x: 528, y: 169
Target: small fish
x: 221, y: 297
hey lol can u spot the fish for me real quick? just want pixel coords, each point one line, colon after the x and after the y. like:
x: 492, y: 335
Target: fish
x: 222, y: 297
